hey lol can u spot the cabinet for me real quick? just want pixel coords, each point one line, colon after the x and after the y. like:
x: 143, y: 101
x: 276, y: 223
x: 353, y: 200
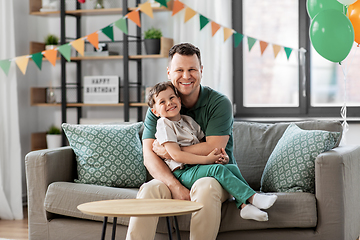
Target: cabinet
x: 39, y: 95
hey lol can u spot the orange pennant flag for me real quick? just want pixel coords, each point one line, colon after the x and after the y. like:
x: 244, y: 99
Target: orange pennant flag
x: 189, y: 13
x: 263, y: 46
x: 94, y: 39
x: 51, y: 55
x: 22, y: 63
x: 214, y: 28
x: 227, y: 33
x: 177, y: 7
x: 147, y: 9
x: 79, y: 45
x: 277, y: 49
x: 135, y: 17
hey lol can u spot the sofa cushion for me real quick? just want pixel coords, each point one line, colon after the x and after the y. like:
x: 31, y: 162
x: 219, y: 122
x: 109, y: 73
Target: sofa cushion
x: 108, y: 155
x: 254, y: 143
x: 291, y: 210
x: 291, y: 166
x: 63, y: 198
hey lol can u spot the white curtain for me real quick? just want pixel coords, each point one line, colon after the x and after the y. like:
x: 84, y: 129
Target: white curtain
x: 216, y: 54
x: 10, y: 149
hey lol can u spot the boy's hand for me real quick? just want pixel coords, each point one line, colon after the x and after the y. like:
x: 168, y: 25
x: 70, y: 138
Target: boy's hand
x: 224, y: 158
x: 213, y: 157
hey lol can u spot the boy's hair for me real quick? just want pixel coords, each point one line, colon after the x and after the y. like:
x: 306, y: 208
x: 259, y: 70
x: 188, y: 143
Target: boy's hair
x: 184, y: 49
x: 159, y: 87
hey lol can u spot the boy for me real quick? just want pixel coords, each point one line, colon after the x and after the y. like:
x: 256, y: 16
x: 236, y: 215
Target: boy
x: 174, y: 131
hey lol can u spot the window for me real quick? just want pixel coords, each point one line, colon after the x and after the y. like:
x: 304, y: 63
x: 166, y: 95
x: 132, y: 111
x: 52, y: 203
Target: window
x: 305, y: 85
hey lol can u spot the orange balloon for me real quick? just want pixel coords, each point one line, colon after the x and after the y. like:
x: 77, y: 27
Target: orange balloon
x: 354, y: 15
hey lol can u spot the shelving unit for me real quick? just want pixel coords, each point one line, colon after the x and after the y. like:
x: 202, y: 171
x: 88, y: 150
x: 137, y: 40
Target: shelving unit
x: 38, y: 95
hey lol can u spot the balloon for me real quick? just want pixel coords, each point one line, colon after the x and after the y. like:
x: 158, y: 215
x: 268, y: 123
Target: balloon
x: 347, y: 2
x: 354, y: 17
x: 315, y: 6
x: 332, y: 35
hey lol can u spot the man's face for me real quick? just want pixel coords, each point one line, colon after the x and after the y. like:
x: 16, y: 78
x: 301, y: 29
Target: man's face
x: 185, y: 74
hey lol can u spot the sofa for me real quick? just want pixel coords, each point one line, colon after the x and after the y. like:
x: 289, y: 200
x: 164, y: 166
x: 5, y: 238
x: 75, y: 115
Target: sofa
x: 331, y: 213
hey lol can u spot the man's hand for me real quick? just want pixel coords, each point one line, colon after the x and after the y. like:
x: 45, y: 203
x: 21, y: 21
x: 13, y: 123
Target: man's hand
x: 180, y: 192
x: 160, y: 150
x: 224, y: 159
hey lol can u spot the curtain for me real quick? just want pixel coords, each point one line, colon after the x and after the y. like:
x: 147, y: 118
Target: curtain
x: 10, y: 149
x: 216, y: 55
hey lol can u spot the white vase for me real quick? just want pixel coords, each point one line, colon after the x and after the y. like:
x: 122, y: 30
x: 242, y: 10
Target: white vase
x: 53, y: 140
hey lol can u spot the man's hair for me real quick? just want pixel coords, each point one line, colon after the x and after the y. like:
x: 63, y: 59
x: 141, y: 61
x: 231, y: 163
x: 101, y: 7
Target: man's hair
x: 159, y: 87
x: 184, y: 49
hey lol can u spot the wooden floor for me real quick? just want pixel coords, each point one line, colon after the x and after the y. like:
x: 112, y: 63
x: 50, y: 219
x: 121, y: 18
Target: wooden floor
x: 17, y: 229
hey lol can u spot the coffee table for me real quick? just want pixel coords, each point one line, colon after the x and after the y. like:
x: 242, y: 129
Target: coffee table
x: 139, y: 208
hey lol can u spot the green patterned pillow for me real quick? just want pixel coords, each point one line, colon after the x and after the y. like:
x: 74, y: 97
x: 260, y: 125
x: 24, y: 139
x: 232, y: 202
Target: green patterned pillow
x: 109, y: 155
x: 291, y: 165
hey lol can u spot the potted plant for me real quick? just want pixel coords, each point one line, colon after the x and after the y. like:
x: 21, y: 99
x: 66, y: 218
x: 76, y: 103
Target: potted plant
x: 53, y: 137
x: 51, y: 41
x: 152, y: 41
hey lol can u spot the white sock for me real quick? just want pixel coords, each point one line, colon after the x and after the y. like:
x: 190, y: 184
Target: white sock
x: 263, y: 201
x: 252, y: 212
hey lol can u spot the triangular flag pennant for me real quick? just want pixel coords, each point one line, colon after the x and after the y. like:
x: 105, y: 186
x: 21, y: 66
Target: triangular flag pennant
x: 288, y: 52
x: 122, y: 25
x: 263, y: 46
x: 227, y: 33
x: 51, y: 55
x: 203, y: 21
x: 177, y: 7
x: 22, y: 63
x: 37, y: 58
x: 251, y: 42
x: 5, y: 65
x: 277, y: 49
x: 147, y: 9
x: 238, y: 37
x: 109, y: 32
x: 93, y: 39
x: 214, y: 28
x: 189, y: 13
x: 65, y: 50
x: 79, y: 45
x: 135, y: 17
x: 162, y: 2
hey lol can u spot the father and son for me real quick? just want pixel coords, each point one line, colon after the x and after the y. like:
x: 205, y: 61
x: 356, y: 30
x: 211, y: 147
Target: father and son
x: 188, y: 149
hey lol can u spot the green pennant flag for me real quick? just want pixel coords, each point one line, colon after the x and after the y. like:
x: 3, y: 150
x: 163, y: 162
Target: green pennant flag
x: 122, y: 25
x: 203, y: 21
x: 288, y: 52
x: 65, y: 50
x: 5, y: 65
x: 162, y: 2
x: 238, y: 37
x: 37, y: 58
x: 108, y: 31
x: 251, y: 42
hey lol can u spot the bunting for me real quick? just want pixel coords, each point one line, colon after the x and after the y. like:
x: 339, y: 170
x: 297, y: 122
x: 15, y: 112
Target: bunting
x: 122, y: 25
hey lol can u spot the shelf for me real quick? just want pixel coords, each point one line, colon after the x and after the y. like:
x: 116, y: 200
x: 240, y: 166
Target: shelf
x: 38, y: 141
x: 88, y: 105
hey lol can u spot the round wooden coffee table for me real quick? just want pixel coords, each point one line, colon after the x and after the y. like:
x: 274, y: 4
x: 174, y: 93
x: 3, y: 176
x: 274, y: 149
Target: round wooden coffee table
x: 139, y: 208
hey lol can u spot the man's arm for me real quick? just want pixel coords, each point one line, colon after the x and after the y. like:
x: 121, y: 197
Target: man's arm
x: 160, y: 171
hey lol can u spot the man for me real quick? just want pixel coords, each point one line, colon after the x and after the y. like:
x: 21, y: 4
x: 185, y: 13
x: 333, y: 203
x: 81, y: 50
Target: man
x: 213, y: 112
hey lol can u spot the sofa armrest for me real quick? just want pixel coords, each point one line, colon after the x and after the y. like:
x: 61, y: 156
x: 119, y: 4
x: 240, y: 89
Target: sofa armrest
x: 337, y: 189
x: 42, y: 168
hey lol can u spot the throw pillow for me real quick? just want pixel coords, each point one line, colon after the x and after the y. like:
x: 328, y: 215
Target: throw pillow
x: 109, y: 155
x: 291, y: 165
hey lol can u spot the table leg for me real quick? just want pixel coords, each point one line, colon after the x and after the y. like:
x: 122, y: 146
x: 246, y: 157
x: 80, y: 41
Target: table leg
x: 104, y: 228
x: 177, y: 228
x: 114, y: 229
x: 169, y: 227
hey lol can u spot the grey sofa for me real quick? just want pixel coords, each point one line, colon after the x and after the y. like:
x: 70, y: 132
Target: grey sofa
x: 332, y: 213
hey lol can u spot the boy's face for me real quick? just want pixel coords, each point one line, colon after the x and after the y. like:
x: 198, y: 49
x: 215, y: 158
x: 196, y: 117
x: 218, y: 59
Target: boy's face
x: 167, y: 105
